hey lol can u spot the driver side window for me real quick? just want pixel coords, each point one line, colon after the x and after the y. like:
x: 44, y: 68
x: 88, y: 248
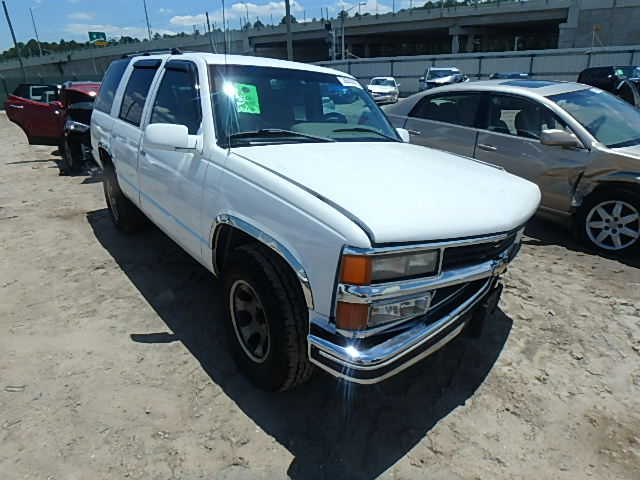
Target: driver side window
x: 520, y: 117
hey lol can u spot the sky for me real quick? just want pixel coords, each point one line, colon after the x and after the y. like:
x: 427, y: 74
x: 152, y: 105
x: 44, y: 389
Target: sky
x: 72, y: 19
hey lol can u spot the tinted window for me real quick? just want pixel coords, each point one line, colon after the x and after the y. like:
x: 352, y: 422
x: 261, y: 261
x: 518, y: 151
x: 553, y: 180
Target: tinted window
x: 37, y: 93
x: 110, y: 83
x: 460, y: 109
x: 135, y: 95
x: 178, y: 100
x: 520, y: 117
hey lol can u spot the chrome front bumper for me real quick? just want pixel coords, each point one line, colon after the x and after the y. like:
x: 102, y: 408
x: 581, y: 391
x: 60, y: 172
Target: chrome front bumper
x: 370, y: 357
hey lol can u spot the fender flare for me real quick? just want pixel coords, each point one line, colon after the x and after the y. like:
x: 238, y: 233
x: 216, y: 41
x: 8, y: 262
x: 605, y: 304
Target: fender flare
x: 270, y: 242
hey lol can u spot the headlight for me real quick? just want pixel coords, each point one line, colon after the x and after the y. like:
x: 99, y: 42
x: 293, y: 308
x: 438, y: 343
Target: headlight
x: 360, y: 316
x: 76, y: 126
x: 365, y: 270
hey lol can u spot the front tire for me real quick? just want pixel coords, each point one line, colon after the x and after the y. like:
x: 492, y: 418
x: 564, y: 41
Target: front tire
x: 267, y: 318
x: 72, y: 156
x: 126, y: 217
x: 609, y: 222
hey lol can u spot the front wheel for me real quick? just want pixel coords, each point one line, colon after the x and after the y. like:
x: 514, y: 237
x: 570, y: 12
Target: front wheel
x: 609, y: 221
x: 72, y: 156
x: 267, y: 318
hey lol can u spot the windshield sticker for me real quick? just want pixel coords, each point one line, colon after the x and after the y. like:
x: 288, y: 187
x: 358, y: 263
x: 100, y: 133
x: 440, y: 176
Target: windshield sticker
x: 349, y: 82
x: 247, y: 99
x: 619, y: 72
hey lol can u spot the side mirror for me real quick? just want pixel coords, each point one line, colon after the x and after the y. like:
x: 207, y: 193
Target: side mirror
x: 465, y: 78
x: 404, y: 135
x: 56, y: 104
x: 559, y: 138
x: 168, y: 136
x: 421, y: 79
x: 398, y: 85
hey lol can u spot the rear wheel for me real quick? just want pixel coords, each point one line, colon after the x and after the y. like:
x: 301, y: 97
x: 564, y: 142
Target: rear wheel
x: 267, y: 318
x: 609, y: 221
x: 126, y: 217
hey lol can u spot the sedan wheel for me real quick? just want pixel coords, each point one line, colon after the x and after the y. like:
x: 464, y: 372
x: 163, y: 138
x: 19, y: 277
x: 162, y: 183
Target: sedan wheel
x: 613, y: 225
x: 610, y: 221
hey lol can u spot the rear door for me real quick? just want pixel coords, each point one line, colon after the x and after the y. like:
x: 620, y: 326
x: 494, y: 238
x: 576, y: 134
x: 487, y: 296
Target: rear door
x: 446, y: 121
x: 171, y: 183
x: 101, y: 119
x: 510, y: 139
x: 126, y: 132
x: 30, y: 107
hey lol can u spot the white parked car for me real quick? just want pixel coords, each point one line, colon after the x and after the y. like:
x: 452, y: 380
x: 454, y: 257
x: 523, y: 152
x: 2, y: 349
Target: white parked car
x: 339, y: 244
x: 384, y: 89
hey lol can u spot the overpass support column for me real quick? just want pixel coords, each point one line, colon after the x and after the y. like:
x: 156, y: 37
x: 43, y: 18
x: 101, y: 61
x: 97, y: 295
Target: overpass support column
x: 367, y: 50
x: 455, y: 44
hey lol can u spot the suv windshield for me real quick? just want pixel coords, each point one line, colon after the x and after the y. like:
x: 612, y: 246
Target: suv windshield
x: 440, y: 74
x: 263, y: 105
x: 628, y: 72
x: 610, y: 120
x: 385, y: 82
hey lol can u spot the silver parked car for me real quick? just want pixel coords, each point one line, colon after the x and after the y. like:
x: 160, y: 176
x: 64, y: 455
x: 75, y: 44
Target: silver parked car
x: 579, y: 144
x: 383, y: 89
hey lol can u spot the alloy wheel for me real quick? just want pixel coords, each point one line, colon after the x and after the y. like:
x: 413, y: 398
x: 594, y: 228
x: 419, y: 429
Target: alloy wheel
x: 613, y: 225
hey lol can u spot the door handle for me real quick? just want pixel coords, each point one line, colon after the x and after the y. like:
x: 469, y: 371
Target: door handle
x: 142, y: 153
x: 16, y: 106
x: 487, y: 148
x: 414, y: 132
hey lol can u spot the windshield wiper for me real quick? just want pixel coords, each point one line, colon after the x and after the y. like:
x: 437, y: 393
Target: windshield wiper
x: 367, y: 130
x: 277, y: 132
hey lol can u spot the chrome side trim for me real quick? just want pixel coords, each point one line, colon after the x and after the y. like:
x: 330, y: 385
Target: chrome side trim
x: 381, y: 355
x: 271, y: 243
x: 376, y: 293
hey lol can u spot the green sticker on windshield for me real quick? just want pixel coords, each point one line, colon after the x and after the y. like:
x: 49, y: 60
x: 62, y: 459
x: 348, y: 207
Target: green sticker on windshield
x: 619, y: 72
x: 247, y: 99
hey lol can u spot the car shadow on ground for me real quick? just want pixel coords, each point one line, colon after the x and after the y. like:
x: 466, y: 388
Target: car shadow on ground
x: 544, y: 232
x: 332, y: 428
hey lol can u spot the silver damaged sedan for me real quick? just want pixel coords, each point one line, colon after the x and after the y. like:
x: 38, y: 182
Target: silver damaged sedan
x: 580, y: 145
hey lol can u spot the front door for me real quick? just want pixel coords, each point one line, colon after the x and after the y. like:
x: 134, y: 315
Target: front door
x: 446, y: 122
x: 171, y: 183
x: 30, y: 106
x: 510, y: 139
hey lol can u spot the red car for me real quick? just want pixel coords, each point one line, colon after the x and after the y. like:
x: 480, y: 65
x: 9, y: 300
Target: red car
x: 56, y: 115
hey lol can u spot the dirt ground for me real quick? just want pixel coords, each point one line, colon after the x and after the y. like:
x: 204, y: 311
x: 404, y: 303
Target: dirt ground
x: 113, y: 364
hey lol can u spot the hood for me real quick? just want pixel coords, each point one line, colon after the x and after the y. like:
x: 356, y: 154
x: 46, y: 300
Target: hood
x: 403, y: 192
x: 633, y: 151
x: 380, y: 89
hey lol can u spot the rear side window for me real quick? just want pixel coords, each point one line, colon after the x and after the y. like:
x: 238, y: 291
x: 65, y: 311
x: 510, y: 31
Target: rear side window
x: 110, y: 83
x: 178, y: 97
x: 459, y: 109
x: 135, y: 95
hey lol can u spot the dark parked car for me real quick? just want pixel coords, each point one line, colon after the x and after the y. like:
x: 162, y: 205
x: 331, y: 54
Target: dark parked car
x: 510, y: 75
x: 621, y: 81
x: 56, y: 115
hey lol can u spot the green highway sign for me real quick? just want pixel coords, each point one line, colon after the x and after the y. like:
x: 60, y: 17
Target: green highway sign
x: 99, y: 38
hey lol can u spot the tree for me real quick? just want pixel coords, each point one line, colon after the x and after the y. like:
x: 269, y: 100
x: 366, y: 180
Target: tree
x: 258, y: 24
x: 284, y: 20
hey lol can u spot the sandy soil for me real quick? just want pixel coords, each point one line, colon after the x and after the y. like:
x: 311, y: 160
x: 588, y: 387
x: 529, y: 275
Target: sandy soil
x: 113, y: 364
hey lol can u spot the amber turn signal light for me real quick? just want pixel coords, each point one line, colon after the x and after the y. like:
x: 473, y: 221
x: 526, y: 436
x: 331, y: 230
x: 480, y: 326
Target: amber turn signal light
x: 352, y: 316
x: 355, y: 270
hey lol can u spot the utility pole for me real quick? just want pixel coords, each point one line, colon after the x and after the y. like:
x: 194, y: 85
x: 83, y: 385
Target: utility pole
x: 213, y: 48
x: 287, y: 7
x: 146, y: 15
x: 15, y: 43
x: 35, y: 30
x: 224, y: 29
x: 246, y: 6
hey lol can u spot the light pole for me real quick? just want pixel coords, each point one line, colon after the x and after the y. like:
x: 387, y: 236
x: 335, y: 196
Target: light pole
x: 342, y: 15
x: 146, y: 16
x: 35, y: 30
x: 287, y: 10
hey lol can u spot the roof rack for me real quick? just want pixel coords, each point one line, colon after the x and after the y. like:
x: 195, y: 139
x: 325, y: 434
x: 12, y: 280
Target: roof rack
x: 172, y: 51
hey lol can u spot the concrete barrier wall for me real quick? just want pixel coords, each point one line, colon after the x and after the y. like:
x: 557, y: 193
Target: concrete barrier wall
x: 557, y: 64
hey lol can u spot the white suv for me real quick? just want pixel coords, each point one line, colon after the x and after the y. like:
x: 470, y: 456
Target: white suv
x: 339, y: 244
